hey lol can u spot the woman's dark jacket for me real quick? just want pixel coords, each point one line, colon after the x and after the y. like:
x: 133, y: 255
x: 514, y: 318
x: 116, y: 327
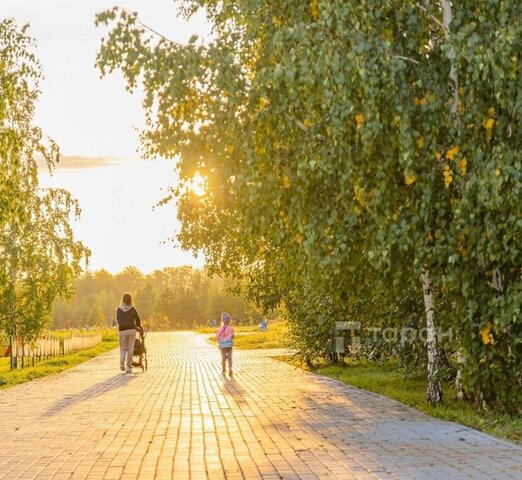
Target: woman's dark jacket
x: 127, y: 320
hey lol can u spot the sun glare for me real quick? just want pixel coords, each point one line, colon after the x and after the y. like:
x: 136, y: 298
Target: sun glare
x: 197, y: 184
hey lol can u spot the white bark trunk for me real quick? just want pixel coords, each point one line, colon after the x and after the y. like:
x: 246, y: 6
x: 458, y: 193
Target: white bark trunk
x: 461, y: 360
x: 434, y: 392
x: 496, y: 283
x: 447, y: 17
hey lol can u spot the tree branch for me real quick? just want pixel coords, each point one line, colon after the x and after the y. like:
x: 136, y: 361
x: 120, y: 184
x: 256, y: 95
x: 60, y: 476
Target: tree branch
x: 433, y: 18
x: 146, y: 27
x: 407, y: 59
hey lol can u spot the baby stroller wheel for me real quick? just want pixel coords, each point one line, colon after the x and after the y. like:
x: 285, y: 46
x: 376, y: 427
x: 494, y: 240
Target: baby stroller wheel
x: 140, y: 351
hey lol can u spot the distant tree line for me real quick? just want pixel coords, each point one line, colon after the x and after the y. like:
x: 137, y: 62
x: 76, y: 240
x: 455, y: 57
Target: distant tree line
x: 175, y: 297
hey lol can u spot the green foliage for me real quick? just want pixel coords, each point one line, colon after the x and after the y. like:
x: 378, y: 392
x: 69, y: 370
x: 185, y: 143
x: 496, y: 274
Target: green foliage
x: 341, y: 142
x: 39, y: 256
x: 9, y: 378
x: 390, y: 381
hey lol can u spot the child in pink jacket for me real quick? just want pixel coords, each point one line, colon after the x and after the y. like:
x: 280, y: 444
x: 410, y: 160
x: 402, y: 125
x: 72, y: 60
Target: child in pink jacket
x: 225, y: 338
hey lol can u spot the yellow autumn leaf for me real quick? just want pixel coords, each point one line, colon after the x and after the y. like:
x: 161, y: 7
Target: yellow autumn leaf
x: 277, y: 22
x: 489, y: 123
x: 359, y: 118
x: 286, y: 181
x: 299, y: 238
x: 229, y: 148
x: 420, y: 142
x: 307, y: 123
x: 452, y: 152
x: 497, y: 172
x: 420, y: 101
x: 283, y: 215
x: 463, y: 164
x: 437, y: 155
x: 448, y: 176
x: 487, y: 335
x: 263, y: 102
x: 484, y: 333
x: 359, y: 195
x: 314, y: 9
x: 491, y: 112
x: 409, y: 178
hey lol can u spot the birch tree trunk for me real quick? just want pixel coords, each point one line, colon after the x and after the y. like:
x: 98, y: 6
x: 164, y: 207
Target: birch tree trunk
x: 434, y: 393
x: 12, y: 307
x: 496, y: 283
x: 461, y: 360
x: 447, y: 17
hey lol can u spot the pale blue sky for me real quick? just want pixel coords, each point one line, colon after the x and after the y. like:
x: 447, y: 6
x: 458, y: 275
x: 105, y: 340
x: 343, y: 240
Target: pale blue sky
x: 89, y: 117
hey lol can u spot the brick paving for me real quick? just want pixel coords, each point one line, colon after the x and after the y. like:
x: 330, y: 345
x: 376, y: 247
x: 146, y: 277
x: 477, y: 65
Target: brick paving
x: 182, y: 419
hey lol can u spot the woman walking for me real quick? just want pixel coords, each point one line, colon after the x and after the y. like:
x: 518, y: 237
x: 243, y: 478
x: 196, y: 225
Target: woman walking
x: 128, y: 322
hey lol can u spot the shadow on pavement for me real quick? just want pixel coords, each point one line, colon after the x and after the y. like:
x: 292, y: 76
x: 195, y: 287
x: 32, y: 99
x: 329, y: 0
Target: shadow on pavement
x: 232, y: 388
x: 91, y: 392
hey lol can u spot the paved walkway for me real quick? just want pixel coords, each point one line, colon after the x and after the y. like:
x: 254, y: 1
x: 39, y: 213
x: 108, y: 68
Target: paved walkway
x: 181, y: 419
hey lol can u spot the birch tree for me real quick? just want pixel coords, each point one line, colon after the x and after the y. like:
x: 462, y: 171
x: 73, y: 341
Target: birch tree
x: 38, y: 252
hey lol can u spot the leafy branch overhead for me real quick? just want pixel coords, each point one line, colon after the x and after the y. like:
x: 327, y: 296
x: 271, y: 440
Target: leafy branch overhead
x: 345, y: 143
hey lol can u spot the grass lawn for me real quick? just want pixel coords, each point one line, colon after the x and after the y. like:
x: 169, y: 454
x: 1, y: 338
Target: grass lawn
x: 392, y: 382
x: 8, y: 378
x: 250, y: 337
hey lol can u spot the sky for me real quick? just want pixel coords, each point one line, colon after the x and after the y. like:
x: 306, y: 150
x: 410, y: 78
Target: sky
x: 95, y: 122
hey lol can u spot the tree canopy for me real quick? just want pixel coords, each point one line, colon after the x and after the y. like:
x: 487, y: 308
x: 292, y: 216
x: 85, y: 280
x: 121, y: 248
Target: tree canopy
x: 38, y: 252
x: 345, y: 143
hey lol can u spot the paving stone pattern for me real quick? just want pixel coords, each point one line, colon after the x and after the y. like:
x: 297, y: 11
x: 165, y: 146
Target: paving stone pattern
x: 183, y: 420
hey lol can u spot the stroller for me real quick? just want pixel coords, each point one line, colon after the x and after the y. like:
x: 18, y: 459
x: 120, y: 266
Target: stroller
x: 140, y: 351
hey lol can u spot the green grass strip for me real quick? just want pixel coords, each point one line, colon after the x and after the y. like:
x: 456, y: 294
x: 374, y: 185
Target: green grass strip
x: 392, y: 382
x: 53, y: 365
x: 250, y: 337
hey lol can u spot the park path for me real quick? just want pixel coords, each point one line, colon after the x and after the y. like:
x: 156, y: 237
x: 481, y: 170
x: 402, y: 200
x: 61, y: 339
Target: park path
x: 182, y: 419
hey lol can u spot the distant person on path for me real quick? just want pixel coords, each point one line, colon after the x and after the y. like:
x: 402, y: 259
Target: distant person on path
x: 225, y: 338
x: 128, y: 322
